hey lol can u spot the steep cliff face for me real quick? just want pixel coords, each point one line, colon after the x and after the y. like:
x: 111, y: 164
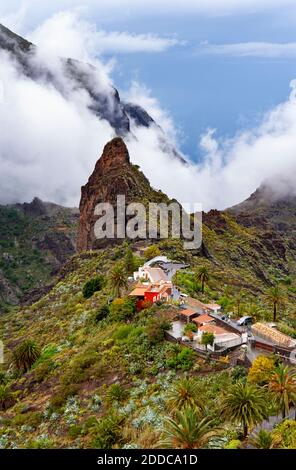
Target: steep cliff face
x: 113, y: 175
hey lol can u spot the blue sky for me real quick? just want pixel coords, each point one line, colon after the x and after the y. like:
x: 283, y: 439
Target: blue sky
x: 200, y: 91
x: 216, y: 74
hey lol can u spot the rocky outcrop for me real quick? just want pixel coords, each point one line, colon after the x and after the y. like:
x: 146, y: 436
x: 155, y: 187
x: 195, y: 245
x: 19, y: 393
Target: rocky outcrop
x: 113, y: 175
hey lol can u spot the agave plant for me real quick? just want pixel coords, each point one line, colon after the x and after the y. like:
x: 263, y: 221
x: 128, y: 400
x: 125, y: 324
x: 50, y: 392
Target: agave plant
x: 26, y: 354
x: 188, y: 431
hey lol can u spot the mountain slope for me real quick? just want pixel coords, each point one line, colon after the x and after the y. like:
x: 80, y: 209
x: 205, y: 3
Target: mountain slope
x: 35, y: 240
x: 104, y: 99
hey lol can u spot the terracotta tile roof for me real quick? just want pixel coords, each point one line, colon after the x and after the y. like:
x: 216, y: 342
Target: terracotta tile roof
x: 203, y: 319
x: 217, y: 330
x: 213, y: 306
x: 138, y: 291
x: 187, y: 312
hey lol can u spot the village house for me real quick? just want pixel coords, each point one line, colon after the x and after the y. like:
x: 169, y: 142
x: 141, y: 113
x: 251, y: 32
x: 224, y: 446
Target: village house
x: 152, y: 292
x: 222, y: 337
x: 149, y: 274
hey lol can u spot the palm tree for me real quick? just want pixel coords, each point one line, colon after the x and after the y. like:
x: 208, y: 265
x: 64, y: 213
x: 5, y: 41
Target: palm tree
x: 203, y: 276
x: 276, y: 298
x: 118, y: 279
x: 262, y: 439
x: 282, y: 386
x: 245, y: 404
x: 188, y: 430
x: 26, y: 354
x: 238, y: 300
x: 185, y: 393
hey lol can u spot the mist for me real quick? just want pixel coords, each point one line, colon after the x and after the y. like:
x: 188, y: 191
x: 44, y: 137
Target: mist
x: 50, y: 140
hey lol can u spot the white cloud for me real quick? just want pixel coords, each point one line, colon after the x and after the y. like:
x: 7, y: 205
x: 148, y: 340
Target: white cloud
x: 250, y: 49
x: 66, y: 34
x: 49, y: 142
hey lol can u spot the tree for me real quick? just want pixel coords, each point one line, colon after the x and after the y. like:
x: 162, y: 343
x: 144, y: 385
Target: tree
x: 282, y: 386
x: 118, y: 279
x: 151, y: 252
x: 26, y: 354
x: 203, y: 276
x: 190, y: 329
x: 238, y: 300
x: 183, y: 394
x: 261, y: 370
x: 187, y: 430
x: 129, y: 262
x: 276, y: 297
x: 92, y: 286
x: 207, y: 339
x: 244, y: 404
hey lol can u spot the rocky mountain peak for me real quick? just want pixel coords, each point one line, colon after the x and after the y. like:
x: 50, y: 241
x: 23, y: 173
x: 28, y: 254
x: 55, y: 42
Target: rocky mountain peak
x: 113, y: 175
x: 115, y: 154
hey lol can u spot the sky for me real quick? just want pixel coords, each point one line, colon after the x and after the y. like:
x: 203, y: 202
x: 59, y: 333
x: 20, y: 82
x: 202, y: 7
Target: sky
x: 217, y: 73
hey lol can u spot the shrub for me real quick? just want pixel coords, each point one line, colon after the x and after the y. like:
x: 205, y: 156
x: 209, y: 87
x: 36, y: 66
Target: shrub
x: 261, y: 370
x: 26, y: 355
x: 6, y: 398
x: 75, y: 431
x: 106, y: 431
x: 102, y: 312
x: 43, y: 370
x: 122, y: 309
x: 116, y: 392
x: 183, y: 360
x: 238, y: 373
x: 284, y: 434
x: 63, y: 392
x: 151, y: 252
x: 233, y: 444
x: 92, y: 286
x: 156, y: 328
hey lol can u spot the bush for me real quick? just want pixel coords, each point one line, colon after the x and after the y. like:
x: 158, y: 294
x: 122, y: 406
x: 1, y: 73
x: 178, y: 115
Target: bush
x: 6, y: 398
x: 234, y: 444
x: 238, y: 373
x: 102, y: 312
x: 184, y: 360
x: 122, y: 309
x: 261, y: 370
x: 116, y: 392
x: 156, y: 328
x: 151, y: 252
x: 107, y: 431
x: 92, y: 286
x: 43, y: 370
x: 63, y: 392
